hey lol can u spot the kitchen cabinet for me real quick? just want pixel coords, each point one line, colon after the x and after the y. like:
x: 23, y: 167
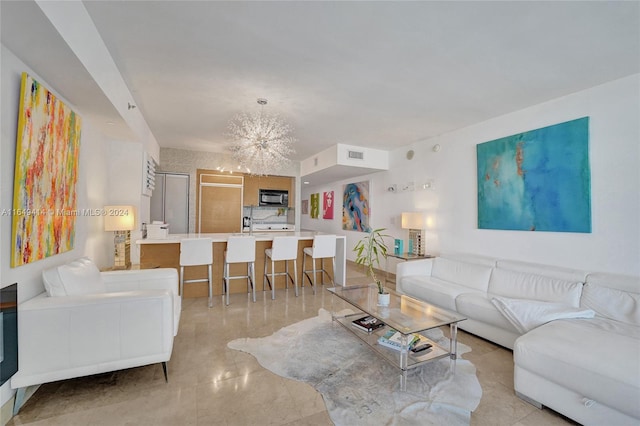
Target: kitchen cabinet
x: 252, y: 185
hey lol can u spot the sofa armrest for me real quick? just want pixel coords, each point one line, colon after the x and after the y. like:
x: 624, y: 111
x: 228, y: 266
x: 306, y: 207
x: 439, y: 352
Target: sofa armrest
x: 412, y: 267
x: 147, y: 279
x: 64, y: 337
x: 142, y: 279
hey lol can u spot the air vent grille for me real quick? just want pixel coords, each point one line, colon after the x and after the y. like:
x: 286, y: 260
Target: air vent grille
x: 358, y: 155
x: 148, y: 175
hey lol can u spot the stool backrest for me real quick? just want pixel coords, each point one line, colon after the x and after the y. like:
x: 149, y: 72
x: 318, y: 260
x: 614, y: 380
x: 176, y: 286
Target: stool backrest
x: 241, y: 249
x: 324, y: 246
x: 196, y: 251
x: 284, y: 248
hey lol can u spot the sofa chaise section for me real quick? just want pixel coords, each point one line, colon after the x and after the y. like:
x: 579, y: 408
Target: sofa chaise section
x: 588, y: 370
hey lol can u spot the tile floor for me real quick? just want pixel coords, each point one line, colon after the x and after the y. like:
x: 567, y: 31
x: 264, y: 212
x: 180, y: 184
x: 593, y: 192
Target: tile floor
x: 210, y: 384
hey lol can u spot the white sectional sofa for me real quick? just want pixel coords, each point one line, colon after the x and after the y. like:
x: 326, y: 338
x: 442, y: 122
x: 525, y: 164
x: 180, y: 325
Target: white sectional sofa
x: 89, y: 322
x: 575, y: 334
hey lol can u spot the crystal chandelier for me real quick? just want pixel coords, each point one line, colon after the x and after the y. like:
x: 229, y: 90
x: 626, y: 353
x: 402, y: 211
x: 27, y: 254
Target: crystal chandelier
x: 261, y: 142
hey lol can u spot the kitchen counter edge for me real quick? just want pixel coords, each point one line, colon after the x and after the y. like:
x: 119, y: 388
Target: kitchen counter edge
x: 223, y: 237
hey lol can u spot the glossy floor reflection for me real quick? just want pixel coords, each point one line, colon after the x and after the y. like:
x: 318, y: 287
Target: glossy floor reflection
x: 210, y: 384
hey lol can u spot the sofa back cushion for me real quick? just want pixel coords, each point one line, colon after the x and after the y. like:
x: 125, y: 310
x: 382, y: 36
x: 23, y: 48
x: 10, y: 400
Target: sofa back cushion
x: 558, y: 272
x: 471, y: 258
x: 613, y: 296
x: 74, y: 278
x: 521, y: 285
x: 467, y: 274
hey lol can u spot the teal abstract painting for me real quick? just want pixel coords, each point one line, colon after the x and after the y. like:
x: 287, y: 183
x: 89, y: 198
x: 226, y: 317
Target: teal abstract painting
x: 537, y: 180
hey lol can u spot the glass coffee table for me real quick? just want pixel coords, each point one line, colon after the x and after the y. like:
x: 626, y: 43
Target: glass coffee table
x: 404, y: 314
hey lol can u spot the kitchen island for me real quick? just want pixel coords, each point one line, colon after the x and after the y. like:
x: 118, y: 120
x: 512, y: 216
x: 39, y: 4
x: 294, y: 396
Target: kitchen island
x: 165, y: 253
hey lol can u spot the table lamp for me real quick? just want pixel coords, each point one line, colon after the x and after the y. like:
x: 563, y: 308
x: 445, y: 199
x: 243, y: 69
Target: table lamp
x: 414, y: 222
x: 120, y: 220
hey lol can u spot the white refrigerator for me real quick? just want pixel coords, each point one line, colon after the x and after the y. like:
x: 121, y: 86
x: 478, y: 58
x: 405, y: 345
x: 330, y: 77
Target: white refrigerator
x: 170, y: 201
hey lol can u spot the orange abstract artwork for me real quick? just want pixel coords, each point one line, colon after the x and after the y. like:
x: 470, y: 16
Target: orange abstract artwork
x: 46, y: 173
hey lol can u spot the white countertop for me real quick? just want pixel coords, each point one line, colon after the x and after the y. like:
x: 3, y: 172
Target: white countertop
x: 222, y: 237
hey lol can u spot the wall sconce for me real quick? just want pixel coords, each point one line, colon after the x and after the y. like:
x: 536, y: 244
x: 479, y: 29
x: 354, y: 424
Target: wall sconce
x: 120, y: 220
x: 414, y: 222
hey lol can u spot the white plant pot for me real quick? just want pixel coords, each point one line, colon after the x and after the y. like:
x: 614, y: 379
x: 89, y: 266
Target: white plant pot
x: 384, y: 299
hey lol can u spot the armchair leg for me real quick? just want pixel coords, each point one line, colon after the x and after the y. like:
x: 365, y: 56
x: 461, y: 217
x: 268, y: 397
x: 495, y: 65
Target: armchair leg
x: 17, y: 403
x: 164, y: 370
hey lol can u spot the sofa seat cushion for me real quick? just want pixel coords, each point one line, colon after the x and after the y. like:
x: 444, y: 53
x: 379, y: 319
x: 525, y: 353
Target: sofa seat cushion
x: 478, y: 306
x: 596, y: 358
x: 470, y: 275
x: 433, y: 290
x: 521, y: 285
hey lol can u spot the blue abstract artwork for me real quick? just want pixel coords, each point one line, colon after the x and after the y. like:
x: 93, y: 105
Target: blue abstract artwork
x: 537, y: 180
x: 355, y: 207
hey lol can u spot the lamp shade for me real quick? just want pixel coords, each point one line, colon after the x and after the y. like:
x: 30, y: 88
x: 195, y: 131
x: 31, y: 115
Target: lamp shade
x: 119, y: 218
x: 412, y: 220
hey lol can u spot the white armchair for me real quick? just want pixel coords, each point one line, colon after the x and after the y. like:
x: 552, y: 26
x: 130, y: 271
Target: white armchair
x: 116, y: 320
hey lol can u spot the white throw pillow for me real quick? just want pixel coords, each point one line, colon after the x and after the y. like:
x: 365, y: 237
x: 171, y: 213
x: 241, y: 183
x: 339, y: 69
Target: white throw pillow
x: 81, y: 277
x: 526, y: 315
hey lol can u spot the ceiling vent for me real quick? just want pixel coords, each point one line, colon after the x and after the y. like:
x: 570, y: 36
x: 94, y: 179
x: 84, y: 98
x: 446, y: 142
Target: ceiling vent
x: 358, y: 155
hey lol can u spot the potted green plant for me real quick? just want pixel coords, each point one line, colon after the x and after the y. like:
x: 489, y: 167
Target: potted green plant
x: 368, y: 252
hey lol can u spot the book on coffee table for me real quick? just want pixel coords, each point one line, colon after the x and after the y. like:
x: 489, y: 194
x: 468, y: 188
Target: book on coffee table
x: 367, y: 323
x: 393, y: 339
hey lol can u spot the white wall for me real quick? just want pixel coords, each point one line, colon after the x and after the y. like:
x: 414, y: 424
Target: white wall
x: 126, y: 160
x: 92, y: 186
x: 614, y: 150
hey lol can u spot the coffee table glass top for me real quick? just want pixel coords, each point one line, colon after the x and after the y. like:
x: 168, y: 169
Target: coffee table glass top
x: 405, y: 314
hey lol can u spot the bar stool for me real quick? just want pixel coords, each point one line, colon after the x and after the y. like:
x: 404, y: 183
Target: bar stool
x: 196, y: 252
x: 240, y: 250
x: 324, y: 246
x: 282, y: 248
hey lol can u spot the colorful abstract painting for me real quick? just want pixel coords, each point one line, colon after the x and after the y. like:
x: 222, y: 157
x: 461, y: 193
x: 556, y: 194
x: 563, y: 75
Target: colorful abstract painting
x: 315, y: 206
x: 355, y: 207
x: 537, y: 180
x: 327, y: 205
x: 46, y: 173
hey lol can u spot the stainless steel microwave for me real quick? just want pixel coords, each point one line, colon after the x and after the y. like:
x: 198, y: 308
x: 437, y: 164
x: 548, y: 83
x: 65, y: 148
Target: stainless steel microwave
x: 274, y: 198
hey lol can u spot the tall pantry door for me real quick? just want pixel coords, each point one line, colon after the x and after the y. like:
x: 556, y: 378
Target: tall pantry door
x: 219, y: 203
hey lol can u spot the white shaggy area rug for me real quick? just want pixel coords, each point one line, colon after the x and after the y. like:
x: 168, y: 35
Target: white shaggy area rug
x: 361, y: 388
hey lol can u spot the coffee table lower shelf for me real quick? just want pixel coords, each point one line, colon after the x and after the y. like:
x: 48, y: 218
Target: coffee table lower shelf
x: 397, y: 358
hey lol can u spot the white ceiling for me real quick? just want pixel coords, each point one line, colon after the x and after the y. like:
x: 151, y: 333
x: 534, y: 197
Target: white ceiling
x: 375, y: 74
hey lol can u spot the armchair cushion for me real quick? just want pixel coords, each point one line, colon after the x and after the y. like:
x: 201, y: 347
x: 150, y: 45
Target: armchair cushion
x: 74, y: 278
